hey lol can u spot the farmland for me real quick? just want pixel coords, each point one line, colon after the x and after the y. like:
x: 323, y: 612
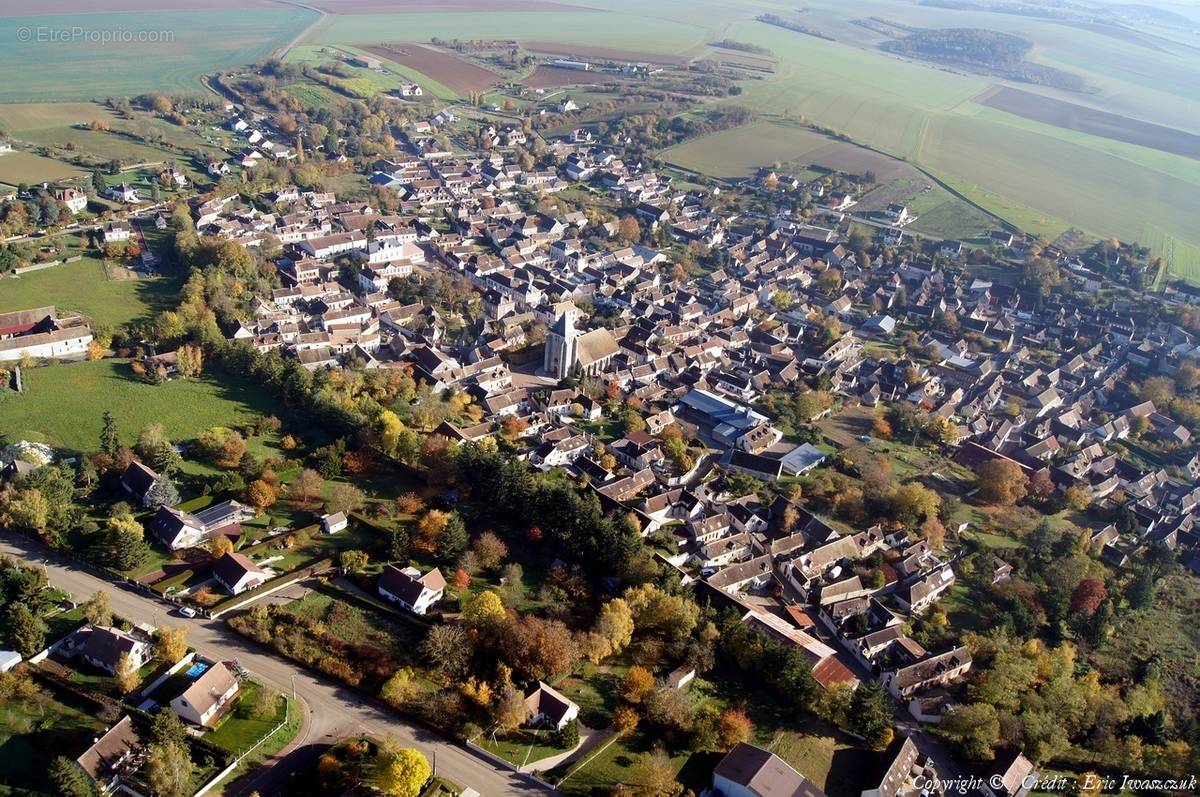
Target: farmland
x: 168, y: 52
x: 63, y: 405
x: 86, y: 287
x: 445, y: 68
x: 25, y: 167
x: 738, y: 152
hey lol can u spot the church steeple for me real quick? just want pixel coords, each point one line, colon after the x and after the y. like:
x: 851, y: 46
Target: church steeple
x: 561, y: 354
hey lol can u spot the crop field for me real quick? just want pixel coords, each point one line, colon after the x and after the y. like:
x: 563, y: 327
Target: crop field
x: 445, y: 6
x: 596, y: 53
x: 550, y: 77
x: 1090, y: 120
x: 445, y: 68
x: 168, y: 52
x: 25, y: 167
x: 85, y: 287
x: 740, y: 151
x: 63, y: 405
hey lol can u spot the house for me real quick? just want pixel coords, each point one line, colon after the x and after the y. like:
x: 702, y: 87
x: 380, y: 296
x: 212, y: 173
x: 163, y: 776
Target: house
x: 236, y: 573
x: 104, y: 646
x: 408, y: 588
x: 332, y: 524
x: 908, y: 774
x: 121, y: 192
x: 9, y: 659
x: 1011, y: 775
x: 40, y: 332
x: 115, y: 232
x: 208, y: 697
x: 118, y: 754
x: 546, y: 706
x: 936, y: 670
x: 749, y: 771
x: 75, y: 200
x: 177, y: 529
x: 138, y: 481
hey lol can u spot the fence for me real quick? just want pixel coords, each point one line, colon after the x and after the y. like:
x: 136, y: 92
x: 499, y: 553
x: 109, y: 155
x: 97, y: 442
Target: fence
x: 274, y: 585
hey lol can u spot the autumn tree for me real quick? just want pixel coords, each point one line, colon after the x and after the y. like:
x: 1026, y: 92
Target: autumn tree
x: 190, y: 360
x: 490, y: 550
x: 345, y: 498
x: 170, y: 644
x: 353, y: 561
x: 98, y: 609
x: 484, y: 609
x: 975, y: 728
x: 126, y: 675
x: 447, y: 649
x: 219, y: 545
x: 1001, y: 481
x: 637, y: 683
x: 260, y: 494
x: 307, y: 484
x: 1088, y: 595
x: 399, y: 771
x: 169, y: 769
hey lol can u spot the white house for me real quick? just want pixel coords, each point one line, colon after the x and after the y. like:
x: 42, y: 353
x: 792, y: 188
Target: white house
x: 75, y: 200
x: 749, y: 771
x: 334, y: 523
x: 203, y: 702
x: 236, y: 573
x: 547, y: 706
x: 122, y: 192
x: 104, y: 646
x: 408, y: 588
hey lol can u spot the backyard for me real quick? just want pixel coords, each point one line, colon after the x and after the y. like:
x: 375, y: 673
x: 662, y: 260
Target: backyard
x: 34, y: 730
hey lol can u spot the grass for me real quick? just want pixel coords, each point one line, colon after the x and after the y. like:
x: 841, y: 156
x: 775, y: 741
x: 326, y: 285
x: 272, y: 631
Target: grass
x: 33, y: 732
x: 275, y: 742
x: 86, y: 287
x: 354, y: 624
x: 63, y: 405
x: 240, y: 729
x: 183, y: 49
x: 520, y: 747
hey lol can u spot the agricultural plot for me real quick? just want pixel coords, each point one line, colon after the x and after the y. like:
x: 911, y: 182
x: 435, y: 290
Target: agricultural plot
x: 25, y: 167
x: 448, y: 70
x: 182, y: 49
x: 740, y: 151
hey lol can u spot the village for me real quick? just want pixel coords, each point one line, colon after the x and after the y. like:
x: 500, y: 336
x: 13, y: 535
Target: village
x: 800, y: 425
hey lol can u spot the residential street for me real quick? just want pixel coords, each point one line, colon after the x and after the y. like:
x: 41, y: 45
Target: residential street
x: 336, y: 711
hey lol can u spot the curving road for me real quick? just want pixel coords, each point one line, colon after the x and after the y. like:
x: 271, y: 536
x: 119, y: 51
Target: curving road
x: 334, y: 711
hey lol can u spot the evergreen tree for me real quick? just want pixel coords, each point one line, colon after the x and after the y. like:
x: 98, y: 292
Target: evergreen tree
x: 69, y: 779
x: 453, y: 541
x: 871, y: 714
x: 109, y: 438
x: 163, y: 493
x: 25, y: 631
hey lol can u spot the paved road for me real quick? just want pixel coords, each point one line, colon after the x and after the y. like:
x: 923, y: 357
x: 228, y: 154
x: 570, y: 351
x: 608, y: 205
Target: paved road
x: 336, y: 711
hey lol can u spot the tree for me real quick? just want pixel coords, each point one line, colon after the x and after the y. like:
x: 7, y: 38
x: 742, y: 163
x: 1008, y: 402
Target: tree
x: 453, y: 541
x: 567, y: 737
x: 656, y: 775
x: 308, y: 483
x: 734, y: 728
x: 489, y: 550
x: 30, y: 509
x: 1078, y: 498
x: 69, y: 779
x: 126, y: 675
x: 975, y: 728
x: 484, y: 609
x: 637, y: 684
x: 219, y: 545
x: 509, y: 712
x: 170, y: 644
x: 1001, y: 481
x: 628, y: 229
x: 448, y: 649
x: 109, y: 438
x: 614, y: 626
x: 625, y: 719
x: 98, y: 609
x: 345, y: 498
x: 871, y: 714
x: 400, y: 771
x: 169, y: 768
x: 400, y: 688
x: 163, y: 492
x: 353, y: 561
x: 265, y: 703
x: 1088, y: 595
x: 26, y: 631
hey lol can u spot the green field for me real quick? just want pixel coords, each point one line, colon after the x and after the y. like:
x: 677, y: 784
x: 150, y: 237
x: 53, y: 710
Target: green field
x: 63, y: 405
x: 169, y: 50
x: 25, y: 167
x: 85, y: 287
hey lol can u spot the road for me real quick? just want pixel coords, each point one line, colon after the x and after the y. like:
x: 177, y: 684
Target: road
x: 335, y: 710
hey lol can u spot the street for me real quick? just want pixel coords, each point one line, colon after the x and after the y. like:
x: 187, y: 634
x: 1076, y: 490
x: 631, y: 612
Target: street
x: 335, y: 711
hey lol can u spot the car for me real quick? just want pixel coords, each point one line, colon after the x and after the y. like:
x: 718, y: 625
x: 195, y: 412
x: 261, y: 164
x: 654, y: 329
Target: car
x: 187, y: 611
x: 864, y: 438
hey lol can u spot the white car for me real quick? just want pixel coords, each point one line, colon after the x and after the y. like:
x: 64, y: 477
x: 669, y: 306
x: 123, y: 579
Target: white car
x: 187, y: 611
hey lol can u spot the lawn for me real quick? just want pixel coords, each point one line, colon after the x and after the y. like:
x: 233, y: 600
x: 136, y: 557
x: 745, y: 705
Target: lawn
x: 63, y: 405
x: 33, y: 732
x: 520, y: 747
x: 240, y: 729
x: 355, y: 625
x: 179, y: 44
x: 86, y: 287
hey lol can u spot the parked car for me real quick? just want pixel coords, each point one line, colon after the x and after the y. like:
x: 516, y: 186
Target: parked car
x: 187, y: 611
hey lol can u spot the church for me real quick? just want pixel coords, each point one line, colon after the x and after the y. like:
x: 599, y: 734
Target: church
x: 569, y: 353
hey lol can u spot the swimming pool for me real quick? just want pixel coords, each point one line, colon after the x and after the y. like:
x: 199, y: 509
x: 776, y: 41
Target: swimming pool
x: 196, y: 670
